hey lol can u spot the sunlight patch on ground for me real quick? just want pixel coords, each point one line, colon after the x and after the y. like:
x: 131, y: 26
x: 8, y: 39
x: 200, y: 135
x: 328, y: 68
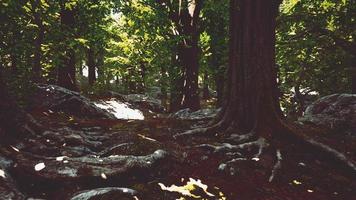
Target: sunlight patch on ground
x: 120, y: 110
x: 2, y: 173
x: 40, y: 166
x: 193, y: 189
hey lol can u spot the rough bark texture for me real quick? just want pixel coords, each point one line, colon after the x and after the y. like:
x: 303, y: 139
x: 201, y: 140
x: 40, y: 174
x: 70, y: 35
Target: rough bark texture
x: 353, y: 76
x: 91, y: 66
x: 251, y: 99
x: 66, y: 72
x: 189, y: 54
x: 185, y: 16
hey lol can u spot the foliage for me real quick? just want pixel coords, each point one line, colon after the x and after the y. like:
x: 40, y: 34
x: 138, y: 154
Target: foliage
x: 310, y: 47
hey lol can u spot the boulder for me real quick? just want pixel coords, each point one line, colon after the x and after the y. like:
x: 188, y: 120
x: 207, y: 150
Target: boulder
x: 336, y: 111
x: 203, y: 114
x: 8, y: 188
x: 56, y: 98
x: 139, y: 101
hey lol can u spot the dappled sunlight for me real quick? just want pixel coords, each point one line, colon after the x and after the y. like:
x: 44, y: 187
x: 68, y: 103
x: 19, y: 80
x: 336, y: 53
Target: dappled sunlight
x: 120, y: 110
x: 39, y: 166
x: 193, y: 189
x: 2, y: 173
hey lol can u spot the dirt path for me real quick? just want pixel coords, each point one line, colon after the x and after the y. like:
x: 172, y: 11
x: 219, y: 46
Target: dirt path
x: 302, y: 175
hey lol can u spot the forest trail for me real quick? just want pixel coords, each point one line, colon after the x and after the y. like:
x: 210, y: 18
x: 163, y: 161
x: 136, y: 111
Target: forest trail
x: 302, y: 176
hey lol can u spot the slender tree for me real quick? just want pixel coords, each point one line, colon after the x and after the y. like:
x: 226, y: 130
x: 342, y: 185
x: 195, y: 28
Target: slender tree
x: 91, y: 66
x: 185, y: 16
x: 66, y: 72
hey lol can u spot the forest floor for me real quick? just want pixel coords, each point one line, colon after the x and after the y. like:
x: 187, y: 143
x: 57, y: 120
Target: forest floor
x: 303, y: 175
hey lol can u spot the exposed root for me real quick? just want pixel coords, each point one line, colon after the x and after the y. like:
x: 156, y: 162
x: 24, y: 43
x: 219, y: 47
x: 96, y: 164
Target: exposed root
x: 195, y: 132
x: 101, y: 193
x: 109, y: 151
x: 277, y: 166
x: 242, y: 138
x: 261, y: 143
x: 334, y: 154
x: 74, y: 169
x: 218, y: 148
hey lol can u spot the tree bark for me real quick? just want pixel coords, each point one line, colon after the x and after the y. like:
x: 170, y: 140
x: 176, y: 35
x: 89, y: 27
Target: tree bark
x: 206, y: 92
x: 251, y: 101
x: 66, y: 72
x: 185, y: 16
x: 176, y: 82
x: 189, y: 53
x: 91, y: 66
x: 353, y: 75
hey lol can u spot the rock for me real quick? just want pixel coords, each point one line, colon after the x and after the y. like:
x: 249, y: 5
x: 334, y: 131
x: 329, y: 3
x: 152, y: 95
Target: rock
x: 337, y: 111
x: 145, y: 101
x: 57, y: 98
x: 120, y: 109
x: 187, y: 114
x: 139, y: 101
x: 105, y: 194
x: 8, y: 188
x: 154, y: 92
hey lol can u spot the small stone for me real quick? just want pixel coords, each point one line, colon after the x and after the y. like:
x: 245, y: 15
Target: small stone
x: 40, y: 166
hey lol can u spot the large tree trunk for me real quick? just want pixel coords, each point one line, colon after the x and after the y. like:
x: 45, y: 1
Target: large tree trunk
x: 91, y: 66
x: 251, y: 102
x: 37, y: 15
x: 219, y: 82
x: 66, y: 72
x: 353, y: 76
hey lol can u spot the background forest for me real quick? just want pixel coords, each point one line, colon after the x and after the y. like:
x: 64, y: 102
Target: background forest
x: 132, y: 99
x: 140, y: 45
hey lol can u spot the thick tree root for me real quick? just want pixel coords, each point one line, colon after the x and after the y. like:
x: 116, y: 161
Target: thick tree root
x: 74, y: 169
x: 334, y: 154
x: 109, y: 151
x: 105, y: 193
x: 277, y: 166
x: 234, y: 152
x: 320, y: 148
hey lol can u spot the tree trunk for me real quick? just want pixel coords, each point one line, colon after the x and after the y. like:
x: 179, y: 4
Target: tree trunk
x: 353, y: 75
x: 206, y: 93
x: 252, y: 98
x: 176, y: 82
x: 163, y: 86
x: 185, y: 17
x: 142, y: 83
x: 91, y: 66
x: 37, y: 68
x: 66, y: 72
x: 251, y: 103
x: 13, y: 58
x: 219, y: 82
x: 189, y: 54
